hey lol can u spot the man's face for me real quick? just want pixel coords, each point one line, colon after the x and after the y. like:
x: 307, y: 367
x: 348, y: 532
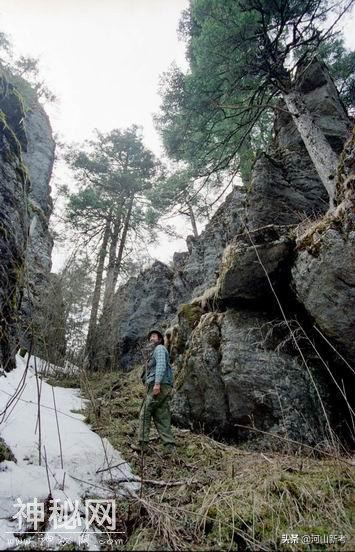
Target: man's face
x: 154, y: 338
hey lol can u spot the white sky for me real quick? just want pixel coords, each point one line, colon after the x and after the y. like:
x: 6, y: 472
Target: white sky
x: 103, y: 59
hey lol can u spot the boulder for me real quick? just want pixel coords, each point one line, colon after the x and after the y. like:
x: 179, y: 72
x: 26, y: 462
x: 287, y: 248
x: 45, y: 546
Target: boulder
x: 242, y: 274
x: 234, y: 374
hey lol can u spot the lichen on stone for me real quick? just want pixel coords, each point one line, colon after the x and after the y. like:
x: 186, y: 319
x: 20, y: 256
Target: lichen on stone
x: 190, y: 312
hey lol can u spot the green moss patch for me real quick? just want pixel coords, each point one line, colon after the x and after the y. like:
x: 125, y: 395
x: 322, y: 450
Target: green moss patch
x: 190, y: 312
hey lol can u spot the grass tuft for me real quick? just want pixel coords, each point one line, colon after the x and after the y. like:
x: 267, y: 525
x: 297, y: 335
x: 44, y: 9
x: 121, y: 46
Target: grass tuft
x: 230, y: 498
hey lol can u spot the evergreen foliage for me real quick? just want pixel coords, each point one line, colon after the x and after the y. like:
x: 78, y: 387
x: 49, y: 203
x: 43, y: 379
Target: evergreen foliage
x: 243, y: 56
x: 115, y: 172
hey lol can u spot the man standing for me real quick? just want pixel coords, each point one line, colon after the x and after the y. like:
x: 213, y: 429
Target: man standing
x: 158, y: 377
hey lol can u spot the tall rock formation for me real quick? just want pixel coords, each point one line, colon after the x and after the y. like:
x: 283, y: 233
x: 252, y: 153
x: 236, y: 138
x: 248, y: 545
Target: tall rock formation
x: 14, y: 221
x: 27, y: 154
x: 323, y: 272
x: 38, y: 158
x: 239, y: 306
x: 249, y: 370
x: 285, y: 187
x: 239, y: 373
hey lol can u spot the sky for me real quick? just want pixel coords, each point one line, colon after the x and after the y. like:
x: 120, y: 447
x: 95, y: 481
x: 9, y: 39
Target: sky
x: 103, y: 59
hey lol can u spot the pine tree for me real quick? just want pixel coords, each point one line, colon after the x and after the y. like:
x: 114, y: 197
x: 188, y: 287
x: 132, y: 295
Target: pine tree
x: 115, y: 172
x: 244, y: 55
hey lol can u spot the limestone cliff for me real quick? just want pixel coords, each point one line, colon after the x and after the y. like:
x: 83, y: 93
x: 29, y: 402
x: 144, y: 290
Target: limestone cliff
x: 27, y: 153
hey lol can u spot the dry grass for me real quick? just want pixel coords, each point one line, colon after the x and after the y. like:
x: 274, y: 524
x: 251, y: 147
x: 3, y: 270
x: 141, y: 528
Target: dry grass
x: 58, y: 378
x: 309, y: 232
x: 232, y: 498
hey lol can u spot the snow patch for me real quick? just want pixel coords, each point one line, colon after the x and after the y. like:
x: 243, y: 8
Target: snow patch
x: 84, y: 453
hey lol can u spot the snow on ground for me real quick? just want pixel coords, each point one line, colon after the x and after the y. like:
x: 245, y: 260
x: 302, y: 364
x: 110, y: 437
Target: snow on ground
x: 83, y: 451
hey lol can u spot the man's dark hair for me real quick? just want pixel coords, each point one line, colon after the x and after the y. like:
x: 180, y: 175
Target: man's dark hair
x: 159, y: 334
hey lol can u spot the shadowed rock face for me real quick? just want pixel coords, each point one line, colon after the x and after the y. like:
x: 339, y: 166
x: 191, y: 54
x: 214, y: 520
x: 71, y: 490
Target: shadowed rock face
x: 26, y: 160
x: 39, y: 159
x: 285, y: 187
x: 141, y: 304
x: 322, y: 99
x: 13, y: 220
x: 245, y: 260
x: 323, y: 273
x: 325, y: 284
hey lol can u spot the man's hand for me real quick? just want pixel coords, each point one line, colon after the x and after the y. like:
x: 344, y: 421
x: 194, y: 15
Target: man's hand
x: 156, y: 389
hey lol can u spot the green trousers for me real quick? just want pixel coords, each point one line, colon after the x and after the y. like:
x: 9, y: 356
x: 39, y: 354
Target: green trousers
x: 158, y: 408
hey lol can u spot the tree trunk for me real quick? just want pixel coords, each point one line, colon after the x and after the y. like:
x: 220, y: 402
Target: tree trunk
x: 97, y: 292
x: 110, y: 288
x: 111, y: 262
x: 324, y: 158
x: 193, y: 220
x: 123, y: 241
x: 108, y: 358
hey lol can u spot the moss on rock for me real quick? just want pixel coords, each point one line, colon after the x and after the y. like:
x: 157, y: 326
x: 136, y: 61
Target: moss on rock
x: 190, y: 312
